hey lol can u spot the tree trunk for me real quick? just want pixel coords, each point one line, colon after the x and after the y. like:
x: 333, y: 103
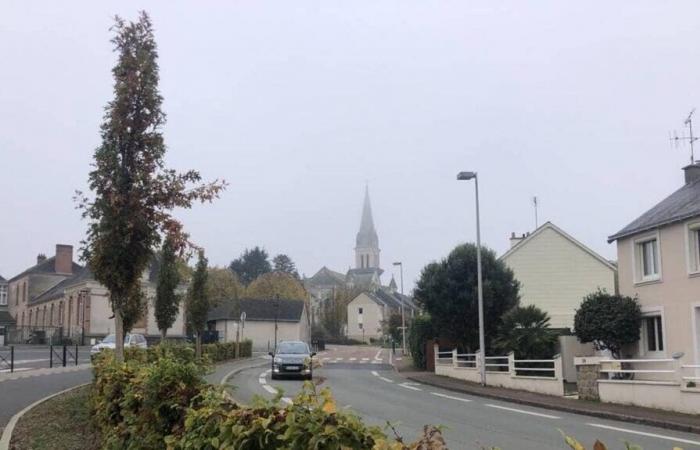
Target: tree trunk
x: 119, y: 333
x: 198, y: 346
x: 163, y: 333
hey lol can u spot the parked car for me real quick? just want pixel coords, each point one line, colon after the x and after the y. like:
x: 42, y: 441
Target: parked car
x: 292, y: 358
x: 110, y: 341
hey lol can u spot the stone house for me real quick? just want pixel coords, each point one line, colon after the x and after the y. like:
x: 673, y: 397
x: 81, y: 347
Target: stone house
x: 368, y: 312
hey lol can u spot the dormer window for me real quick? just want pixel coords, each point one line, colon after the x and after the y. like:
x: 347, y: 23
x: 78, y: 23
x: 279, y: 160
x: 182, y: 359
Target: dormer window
x: 647, y: 261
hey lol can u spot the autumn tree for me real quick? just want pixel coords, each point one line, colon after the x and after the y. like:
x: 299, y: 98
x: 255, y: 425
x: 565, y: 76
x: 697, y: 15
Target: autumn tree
x: 133, y: 193
x: 251, y: 264
x: 223, y: 286
x: 167, y: 301
x: 197, y: 306
x: 283, y: 263
x: 272, y: 284
x: 334, y: 310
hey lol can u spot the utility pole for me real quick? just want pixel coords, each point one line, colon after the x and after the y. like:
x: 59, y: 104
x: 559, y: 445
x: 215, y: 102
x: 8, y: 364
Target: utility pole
x: 403, y: 314
x: 277, y: 308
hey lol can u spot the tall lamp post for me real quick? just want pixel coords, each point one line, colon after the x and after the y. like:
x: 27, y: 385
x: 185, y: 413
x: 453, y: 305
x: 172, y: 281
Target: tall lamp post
x: 465, y: 176
x: 403, y: 316
x: 277, y: 308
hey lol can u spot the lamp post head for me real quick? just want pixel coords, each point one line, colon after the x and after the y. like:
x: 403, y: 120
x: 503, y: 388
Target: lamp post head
x: 466, y: 175
x: 399, y: 263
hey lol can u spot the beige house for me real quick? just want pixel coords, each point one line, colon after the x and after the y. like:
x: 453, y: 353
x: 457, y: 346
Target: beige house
x: 290, y: 317
x: 368, y: 311
x: 659, y: 263
x: 556, y: 271
x: 61, y: 299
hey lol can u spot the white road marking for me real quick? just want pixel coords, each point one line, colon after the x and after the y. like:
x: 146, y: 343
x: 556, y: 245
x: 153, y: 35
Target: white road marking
x: 287, y: 400
x: 365, y: 359
x: 413, y: 388
x: 451, y: 397
x: 374, y: 372
x: 262, y: 380
x: 522, y: 411
x: 377, y: 361
x: 353, y: 359
x: 399, y: 358
x: 660, y: 436
x: 270, y: 389
x: 364, y: 362
x: 386, y: 379
x: 378, y: 356
x: 17, y: 369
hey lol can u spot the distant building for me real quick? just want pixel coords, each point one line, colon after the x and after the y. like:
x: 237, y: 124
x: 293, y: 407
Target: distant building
x: 61, y: 299
x: 364, y: 276
x: 556, y: 272
x: 370, y: 310
x: 6, y: 318
x: 261, y: 316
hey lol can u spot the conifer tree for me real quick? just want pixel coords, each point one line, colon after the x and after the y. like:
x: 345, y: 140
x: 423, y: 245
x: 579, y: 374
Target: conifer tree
x: 198, y: 302
x: 167, y: 302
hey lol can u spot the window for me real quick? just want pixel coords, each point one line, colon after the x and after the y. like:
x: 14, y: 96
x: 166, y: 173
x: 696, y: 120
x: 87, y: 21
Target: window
x: 360, y: 325
x: 694, y: 248
x: 360, y: 310
x: 653, y: 333
x: 3, y: 295
x: 647, y: 259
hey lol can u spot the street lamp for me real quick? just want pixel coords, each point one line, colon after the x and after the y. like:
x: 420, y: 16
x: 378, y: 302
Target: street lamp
x: 403, y: 317
x: 465, y: 176
x: 277, y: 308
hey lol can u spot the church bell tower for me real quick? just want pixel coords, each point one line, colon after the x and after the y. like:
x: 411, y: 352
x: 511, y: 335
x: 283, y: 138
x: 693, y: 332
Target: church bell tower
x: 367, y: 241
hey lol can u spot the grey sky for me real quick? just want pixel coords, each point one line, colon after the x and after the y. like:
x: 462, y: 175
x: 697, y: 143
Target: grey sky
x: 298, y: 103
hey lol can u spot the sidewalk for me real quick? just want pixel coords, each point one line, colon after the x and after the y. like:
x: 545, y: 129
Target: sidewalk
x: 664, y: 419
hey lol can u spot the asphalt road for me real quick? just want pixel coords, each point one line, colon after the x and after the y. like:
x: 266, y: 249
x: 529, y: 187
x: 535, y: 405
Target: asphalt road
x: 38, y: 357
x: 378, y: 394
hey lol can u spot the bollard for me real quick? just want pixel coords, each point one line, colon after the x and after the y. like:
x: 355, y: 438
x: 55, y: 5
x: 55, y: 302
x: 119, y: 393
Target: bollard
x: 76, y: 354
x: 64, y: 356
x: 50, y: 356
x: 12, y: 359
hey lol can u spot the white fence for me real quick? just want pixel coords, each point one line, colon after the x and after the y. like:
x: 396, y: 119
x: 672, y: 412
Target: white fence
x: 536, y: 375
x: 654, y: 383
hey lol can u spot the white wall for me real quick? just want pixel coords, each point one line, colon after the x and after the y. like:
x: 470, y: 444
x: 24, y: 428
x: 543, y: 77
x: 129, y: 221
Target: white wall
x: 262, y: 333
x: 372, y: 317
x: 555, y: 274
x: 650, y: 394
x: 542, y: 385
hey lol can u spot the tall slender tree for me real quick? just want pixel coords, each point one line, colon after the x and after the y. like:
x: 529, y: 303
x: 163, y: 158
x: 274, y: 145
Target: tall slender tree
x: 167, y: 302
x: 198, y: 302
x: 283, y: 263
x: 133, y: 192
x: 251, y: 264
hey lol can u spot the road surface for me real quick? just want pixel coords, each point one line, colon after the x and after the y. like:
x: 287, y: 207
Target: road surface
x: 39, y: 356
x: 362, y: 381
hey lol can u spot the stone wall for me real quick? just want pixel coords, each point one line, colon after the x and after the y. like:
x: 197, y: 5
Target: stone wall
x: 587, y: 381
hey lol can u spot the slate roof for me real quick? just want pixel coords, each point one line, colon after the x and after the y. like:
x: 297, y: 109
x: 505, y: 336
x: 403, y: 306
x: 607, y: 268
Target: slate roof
x: 57, y: 290
x: 2, y: 280
x: 47, y: 266
x: 681, y: 205
x: 260, y: 310
x: 394, y: 300
x: 326, y: 277
x: 6, y: 318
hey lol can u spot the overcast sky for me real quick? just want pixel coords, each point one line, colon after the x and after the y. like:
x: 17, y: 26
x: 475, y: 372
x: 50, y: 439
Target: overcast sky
x: 298, y: 103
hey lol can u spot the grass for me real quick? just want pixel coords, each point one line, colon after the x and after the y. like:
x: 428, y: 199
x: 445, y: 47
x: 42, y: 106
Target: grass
x: 62, y: 423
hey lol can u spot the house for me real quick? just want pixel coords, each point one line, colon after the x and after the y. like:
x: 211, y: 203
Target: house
x: 264, y: 320
x: 370, y: 309
x: 556, y: 271
x: 6, y: 319
x: 659, y: 263
x: 61, y: 299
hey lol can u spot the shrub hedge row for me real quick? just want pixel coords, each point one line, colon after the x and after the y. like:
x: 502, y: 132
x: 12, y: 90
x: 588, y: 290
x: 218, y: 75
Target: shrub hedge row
x: 158, y: 399
x: 227, y: 350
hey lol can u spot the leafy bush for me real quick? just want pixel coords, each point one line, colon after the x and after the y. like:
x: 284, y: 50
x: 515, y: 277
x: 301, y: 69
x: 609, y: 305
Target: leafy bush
x: 525, y: 331
x: 221, y: 351
x: 343, y: 341
x: 158, y: 399
x: 419, y: 332
x: 608, y: 321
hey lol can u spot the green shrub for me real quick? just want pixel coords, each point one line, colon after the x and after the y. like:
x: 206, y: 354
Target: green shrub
x: 222, y: 351
x: 419, y: 332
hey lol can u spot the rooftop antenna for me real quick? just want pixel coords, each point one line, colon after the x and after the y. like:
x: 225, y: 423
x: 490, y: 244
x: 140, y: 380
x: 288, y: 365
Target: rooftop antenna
x: 690, y: 139
x: 534, y: 203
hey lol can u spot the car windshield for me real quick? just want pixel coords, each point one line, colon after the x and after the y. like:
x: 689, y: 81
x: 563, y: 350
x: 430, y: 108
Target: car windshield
x: 294, y: 348
x: 111, y: 339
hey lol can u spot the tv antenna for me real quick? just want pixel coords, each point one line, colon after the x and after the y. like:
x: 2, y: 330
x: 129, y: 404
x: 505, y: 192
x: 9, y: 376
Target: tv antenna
x: 690, y: 139
x: 534, y: 204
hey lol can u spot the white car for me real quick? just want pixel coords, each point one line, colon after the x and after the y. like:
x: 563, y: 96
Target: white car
x: 130, y: 340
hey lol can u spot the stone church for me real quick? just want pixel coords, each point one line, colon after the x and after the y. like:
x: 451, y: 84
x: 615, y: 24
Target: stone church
x: 366, y: 274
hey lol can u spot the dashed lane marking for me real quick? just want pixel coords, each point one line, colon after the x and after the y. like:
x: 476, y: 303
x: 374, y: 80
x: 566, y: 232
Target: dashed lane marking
x: 522, y: 411
x: 386, y: 379
x: 642, y: 433
x: 407, y: 386
x: 378, y: 356
x: 287, y: 400
x: 365, y: 359
x: 270, y: 389
x: 353, y: 359
x: 375, y: 373
x: 438, y: 394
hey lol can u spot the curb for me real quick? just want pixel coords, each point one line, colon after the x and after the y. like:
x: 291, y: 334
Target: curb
x: 587, y: 412
x: 7, y: 432
x: 237, y: 370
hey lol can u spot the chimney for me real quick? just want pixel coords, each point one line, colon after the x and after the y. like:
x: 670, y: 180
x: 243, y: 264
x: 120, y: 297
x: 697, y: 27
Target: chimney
x: 514, y: 240
x: 40, y: 258
x: 64, y: 259
x: 692, y: 172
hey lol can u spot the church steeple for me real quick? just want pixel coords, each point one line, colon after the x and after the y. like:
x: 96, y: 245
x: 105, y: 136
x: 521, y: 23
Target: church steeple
x: 367, y: 241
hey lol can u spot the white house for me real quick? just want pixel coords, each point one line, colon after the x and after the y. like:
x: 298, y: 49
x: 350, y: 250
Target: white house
x: 368, y: 311
x: 261, y: 317
x: 556, y: 271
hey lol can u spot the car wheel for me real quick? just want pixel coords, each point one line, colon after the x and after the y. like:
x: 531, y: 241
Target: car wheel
x: 273, y: 376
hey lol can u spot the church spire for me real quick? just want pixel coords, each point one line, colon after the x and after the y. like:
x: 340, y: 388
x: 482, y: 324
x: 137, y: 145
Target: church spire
x: 367, y: 241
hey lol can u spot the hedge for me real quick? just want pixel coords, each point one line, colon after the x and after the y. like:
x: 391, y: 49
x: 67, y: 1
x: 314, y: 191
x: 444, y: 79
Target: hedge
x: 158, y: 399
x: 419, y: 332
x: 227, y: 350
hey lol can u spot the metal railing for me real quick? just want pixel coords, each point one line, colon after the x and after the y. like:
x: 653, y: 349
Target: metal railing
x: 626, y: 366
x: 443, y: 358
x: 7, y: 359
x: 534, y: 367
x: 467, y: 360
x: 501, y: 364
x: 62, y: 355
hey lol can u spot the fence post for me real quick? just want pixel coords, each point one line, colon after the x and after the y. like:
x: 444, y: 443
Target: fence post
x: 76, y: 354
x: 454, y: 358
x: 436, y: 353
x: 64, y: 355
x: 558, y: 367
x: 12, y: 359
x: 478, y: 361
x: 511, y: 363
x: 50, y: 356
